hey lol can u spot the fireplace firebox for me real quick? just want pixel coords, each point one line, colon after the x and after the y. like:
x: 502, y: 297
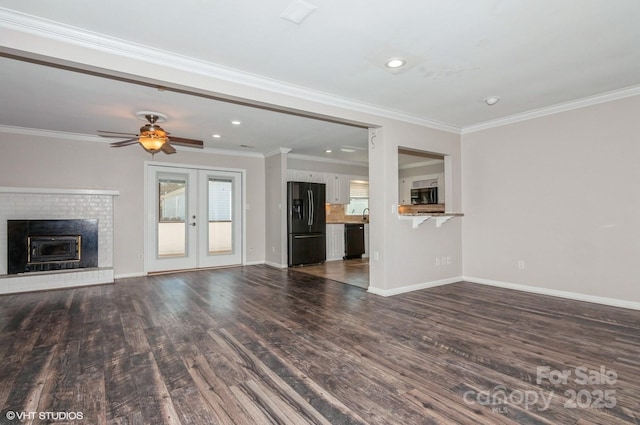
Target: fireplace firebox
x: 46, y: 245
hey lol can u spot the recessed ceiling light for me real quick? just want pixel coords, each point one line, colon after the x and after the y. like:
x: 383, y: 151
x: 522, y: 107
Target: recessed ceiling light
x: 216, y: 136
x: 328, y: 151
x: 236, y: 122
x: 348, y: 150
x: 492, y: 100
x: 395, y: 63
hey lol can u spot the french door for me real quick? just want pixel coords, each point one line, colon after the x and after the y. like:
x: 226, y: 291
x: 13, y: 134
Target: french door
x: 193, y: 218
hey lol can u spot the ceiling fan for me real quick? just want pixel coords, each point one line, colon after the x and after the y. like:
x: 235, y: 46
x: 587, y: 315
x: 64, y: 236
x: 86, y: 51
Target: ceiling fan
x: 152, y: 137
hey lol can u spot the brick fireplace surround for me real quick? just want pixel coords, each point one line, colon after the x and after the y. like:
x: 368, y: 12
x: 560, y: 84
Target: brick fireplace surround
x: 18, y: 203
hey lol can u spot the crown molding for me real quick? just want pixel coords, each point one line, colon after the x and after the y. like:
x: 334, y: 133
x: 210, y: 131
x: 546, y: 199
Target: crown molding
x: 51, y: 133
x: 561, y: 107
x: 327, y: 160
x: 279, y: 151
x: 91, y: 138
x: 51, y: 30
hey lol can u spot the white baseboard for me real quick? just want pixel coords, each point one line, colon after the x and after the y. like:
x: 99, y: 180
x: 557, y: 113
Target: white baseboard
x: 411, y: 288
x: 254, y: 263
x: 556, y: 293
x: 276, y: 265
x: 129, y: 275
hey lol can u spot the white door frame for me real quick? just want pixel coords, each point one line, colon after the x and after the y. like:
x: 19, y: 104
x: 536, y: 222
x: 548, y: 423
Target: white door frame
x: 149, y: 241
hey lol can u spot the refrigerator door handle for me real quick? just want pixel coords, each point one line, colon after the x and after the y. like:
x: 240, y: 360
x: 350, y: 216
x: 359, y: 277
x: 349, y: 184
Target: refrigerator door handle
x: 312, y: 208
x: 310, y: 200
x: 305, y: 236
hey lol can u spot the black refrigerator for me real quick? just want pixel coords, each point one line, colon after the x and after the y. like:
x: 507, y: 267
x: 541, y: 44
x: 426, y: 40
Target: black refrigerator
x: 306, y: 223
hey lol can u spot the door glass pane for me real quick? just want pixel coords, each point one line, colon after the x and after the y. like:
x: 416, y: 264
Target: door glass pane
x: 220, y: 201
x: 172, y: 224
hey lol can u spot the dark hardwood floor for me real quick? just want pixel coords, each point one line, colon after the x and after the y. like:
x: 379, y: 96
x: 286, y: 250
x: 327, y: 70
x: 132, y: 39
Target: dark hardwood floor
x: 257, y: 345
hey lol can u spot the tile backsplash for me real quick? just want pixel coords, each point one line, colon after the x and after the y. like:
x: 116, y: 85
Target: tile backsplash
x: 335, y: 214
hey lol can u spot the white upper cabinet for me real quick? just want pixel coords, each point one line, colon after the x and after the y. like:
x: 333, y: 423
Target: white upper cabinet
x: 337, y: 188
x: 337, y: 185
x: 305, y: 176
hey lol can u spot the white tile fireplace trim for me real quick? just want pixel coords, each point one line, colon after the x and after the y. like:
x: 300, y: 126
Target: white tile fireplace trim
x: 40, y: 281
x: 59, y: 191
x: 24, y: 203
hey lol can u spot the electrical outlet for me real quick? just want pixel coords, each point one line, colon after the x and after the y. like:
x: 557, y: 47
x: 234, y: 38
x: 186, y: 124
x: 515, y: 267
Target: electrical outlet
x: 448, y: 259
x: 521, y: 264
x: 437, y: 261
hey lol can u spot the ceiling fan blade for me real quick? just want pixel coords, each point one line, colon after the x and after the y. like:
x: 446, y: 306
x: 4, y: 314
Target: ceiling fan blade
x: 168, y: 149
x: 186, y: 142
x: 104, y: 133
x: 124, y: 142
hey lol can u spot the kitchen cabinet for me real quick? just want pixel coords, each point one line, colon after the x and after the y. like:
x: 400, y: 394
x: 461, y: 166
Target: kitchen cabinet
x: 305, y: 176
x: 335, y: 242
x: 337, y: 188
x: 404, y: 191
x: 337, y: 185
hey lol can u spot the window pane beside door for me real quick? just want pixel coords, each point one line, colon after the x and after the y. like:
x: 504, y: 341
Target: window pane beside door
x: 220, y: 194
x: 172, y: 223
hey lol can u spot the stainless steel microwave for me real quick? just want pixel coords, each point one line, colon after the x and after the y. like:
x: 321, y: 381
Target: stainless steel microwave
x: 425, y: 195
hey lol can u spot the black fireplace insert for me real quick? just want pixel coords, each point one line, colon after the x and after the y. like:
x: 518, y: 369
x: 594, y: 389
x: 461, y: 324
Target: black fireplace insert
x: 44, y: 245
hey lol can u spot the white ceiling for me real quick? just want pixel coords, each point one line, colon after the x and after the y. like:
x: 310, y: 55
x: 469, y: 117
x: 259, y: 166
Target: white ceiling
x: 533, y: 54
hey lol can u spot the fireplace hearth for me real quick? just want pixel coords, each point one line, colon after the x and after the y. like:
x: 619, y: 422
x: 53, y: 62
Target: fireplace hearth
x: 48, y: 245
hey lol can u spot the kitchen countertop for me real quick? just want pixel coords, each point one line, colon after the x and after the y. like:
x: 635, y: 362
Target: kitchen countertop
x: 349, y: 221
x: 433, y: 214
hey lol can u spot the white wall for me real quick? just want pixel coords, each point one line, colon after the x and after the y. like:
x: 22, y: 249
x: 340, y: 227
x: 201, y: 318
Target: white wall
x: 275, y: 190
x: 403, y: 258
x: 562, y: 194
x: 44, y: 162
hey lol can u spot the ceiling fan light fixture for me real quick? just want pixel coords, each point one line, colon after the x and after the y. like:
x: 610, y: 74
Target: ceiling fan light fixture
x: 152, y: 138
x: 151, y: 143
